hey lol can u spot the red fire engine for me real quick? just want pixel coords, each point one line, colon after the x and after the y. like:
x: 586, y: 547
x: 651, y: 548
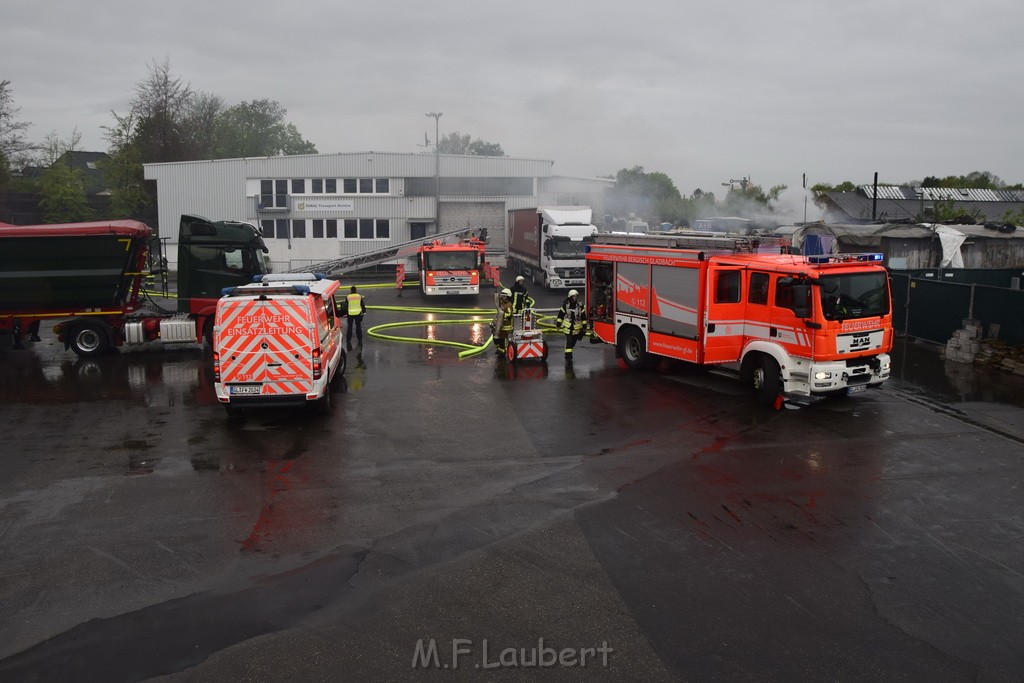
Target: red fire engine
x: 795, y: 328
x: 454, y: 268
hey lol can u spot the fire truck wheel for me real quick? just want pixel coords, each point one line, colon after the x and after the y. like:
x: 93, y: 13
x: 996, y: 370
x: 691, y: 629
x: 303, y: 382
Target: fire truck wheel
x: 342, y: 365
x: 544, y: 350
x: 766, y: 380
x: 232, y: 411
x: 89, y: 339
x: 510, y: 352
x: 631, y: 349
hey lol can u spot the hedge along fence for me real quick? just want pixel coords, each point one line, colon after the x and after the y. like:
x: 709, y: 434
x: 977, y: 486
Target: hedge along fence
x: 924, y: 308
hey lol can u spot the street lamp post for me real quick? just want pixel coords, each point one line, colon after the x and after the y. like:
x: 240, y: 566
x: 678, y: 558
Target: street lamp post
x: 437, y: 169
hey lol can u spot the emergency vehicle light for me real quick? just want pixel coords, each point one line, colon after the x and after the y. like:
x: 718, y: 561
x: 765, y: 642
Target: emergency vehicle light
x: 227, y: 291
x: 844, y: 258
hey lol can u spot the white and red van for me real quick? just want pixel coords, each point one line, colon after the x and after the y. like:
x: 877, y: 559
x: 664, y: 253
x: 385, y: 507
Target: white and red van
x: 278, y: 342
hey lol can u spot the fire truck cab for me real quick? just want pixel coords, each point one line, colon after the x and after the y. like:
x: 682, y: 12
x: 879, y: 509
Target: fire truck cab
x: 794, y: 328
x: 278, y: 342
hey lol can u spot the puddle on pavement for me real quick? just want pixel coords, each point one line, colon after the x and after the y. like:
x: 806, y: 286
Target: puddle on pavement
x: 922, y: 365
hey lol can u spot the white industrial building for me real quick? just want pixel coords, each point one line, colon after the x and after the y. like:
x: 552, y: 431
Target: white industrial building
x: 318, y: 207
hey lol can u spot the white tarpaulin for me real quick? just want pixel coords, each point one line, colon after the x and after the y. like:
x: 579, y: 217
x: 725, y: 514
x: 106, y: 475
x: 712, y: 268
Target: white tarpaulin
x: 951, y: 239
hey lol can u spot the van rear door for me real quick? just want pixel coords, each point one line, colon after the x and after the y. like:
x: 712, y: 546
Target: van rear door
x: 265, y: 346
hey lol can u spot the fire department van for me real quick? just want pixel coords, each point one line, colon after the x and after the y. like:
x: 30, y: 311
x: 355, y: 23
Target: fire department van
x: 794, y: 328
x: 277, y: 342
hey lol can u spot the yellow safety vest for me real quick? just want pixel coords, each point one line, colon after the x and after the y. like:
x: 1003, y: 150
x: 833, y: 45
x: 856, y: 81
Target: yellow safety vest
x: 355, y: 304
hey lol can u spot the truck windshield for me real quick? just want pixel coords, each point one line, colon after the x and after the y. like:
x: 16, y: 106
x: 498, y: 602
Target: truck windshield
x: 564, y: 248
x: 450, y: 260
x: 854, y: 295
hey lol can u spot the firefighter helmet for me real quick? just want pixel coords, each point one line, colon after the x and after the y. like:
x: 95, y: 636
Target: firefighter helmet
x: 572, y: 293
x: 520, y: 278
x: 506, y: 292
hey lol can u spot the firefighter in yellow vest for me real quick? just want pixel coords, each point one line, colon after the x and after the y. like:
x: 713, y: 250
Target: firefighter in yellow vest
x: 503, y: 322
x: 356, y: 308
x: 572, y: 320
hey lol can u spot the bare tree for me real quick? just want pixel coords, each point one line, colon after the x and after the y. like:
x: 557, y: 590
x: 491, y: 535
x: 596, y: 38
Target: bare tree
x: 15, y: 148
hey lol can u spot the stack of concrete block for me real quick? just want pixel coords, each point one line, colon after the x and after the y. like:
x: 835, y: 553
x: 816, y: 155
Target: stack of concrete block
x: 965, y: 343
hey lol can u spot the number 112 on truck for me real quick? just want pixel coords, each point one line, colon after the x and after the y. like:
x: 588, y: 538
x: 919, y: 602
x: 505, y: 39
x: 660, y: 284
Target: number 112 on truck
x: 793, y: 328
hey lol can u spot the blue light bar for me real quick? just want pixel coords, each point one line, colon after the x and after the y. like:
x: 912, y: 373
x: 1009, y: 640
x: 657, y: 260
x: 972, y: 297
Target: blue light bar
x: 845, y: 258
x: 227, y: 291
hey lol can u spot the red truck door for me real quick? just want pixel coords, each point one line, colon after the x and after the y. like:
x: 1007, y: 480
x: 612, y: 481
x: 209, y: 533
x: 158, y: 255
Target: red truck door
x: 725, y: 314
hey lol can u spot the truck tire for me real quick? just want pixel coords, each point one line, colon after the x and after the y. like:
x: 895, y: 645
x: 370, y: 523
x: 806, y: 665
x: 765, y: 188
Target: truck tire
x: 766, y: 380
x: 544, y: 352
x: 632, y: 351
x: 342, y: 365
x: 89, y: 339
x: 511, y: 352
x: 232, y: 411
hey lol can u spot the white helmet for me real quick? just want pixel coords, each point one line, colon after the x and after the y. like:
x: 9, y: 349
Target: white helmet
x: 573, y: 292
x: 506, y: 292
x: 520, y: 278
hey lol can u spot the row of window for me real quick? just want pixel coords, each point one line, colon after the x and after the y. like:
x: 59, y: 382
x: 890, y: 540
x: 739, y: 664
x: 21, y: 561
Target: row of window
x: 326, y: 186
x: 317, y: 228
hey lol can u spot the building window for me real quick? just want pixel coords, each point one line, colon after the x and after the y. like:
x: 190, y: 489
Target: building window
x: 274, y: 194
x: 365, y: 185
x: 299, y: 228
x: 366, y: 228
x: 361, y: 229
x: 298, y: 186
x: 318, y: 185
x: 332, y: 229
x: 275, y: 228
x: 331, y: 185
x: 318, y: 228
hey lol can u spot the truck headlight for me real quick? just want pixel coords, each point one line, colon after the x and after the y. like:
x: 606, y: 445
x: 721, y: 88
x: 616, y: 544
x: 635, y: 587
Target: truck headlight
x: 822, y: 375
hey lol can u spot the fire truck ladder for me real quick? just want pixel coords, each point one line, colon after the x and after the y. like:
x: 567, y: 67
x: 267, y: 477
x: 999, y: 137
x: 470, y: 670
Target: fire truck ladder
x: 698, y: 240
x: 347, y: 264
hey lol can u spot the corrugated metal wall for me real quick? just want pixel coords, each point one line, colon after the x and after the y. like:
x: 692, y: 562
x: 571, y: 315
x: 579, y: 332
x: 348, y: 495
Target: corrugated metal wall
x: 228, y: 190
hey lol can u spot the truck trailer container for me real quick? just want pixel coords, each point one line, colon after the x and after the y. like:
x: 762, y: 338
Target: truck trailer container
x: 90, y: 277
x: 547, y: 244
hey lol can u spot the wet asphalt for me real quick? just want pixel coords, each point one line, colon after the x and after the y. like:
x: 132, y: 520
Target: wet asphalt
x: 658, y: 526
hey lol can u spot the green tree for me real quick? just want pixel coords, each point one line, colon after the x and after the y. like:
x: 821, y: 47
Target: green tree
x: 63, y: 198
x: 129, y: 197
x: 749, y: 200
x: 158, y: 109
x: 199, y: 125
x: 257, y: 129
x: 15, y: 148
x: 459, y: 143
x: 980, y: 180
x: 650, y: 195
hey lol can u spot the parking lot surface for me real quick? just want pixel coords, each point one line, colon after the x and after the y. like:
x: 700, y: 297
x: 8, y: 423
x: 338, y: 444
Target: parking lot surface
x: 455, y: 519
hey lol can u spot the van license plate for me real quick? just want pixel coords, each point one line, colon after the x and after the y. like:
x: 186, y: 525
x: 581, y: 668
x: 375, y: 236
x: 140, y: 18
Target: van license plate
x: 245, y: 390
x: 857, y: 389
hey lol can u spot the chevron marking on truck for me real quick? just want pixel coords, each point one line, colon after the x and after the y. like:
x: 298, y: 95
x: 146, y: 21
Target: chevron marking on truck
x: 261, y: 343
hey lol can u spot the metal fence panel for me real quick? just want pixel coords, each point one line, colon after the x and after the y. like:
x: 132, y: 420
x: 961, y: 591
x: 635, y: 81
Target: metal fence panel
x: 936, y: 309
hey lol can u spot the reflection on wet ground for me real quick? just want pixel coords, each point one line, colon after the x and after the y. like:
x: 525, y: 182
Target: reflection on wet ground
x: 919, y: 367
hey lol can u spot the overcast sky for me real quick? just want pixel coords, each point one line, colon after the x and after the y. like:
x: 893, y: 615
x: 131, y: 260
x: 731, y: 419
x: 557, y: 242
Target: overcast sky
x: 705, y: 92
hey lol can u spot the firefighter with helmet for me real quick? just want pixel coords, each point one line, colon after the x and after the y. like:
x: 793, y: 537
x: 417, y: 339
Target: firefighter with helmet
x: 503, y: 321
x: 521, y: 299
x: 572, y: 320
